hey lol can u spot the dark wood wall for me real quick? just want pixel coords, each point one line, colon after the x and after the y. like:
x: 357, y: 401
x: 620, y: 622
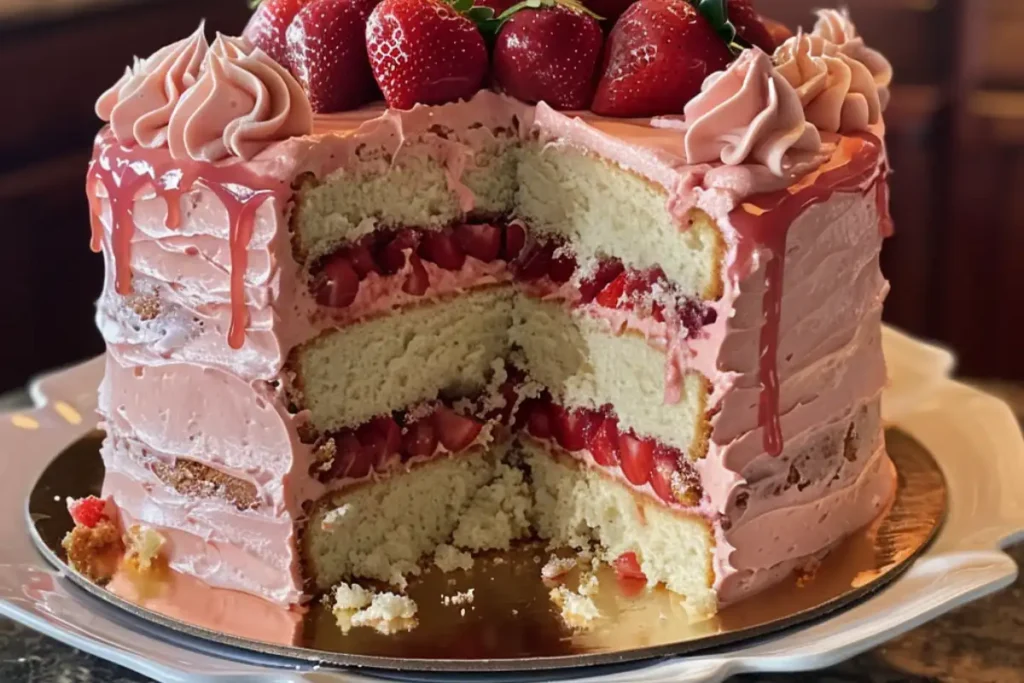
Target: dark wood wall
x: 956, y: 137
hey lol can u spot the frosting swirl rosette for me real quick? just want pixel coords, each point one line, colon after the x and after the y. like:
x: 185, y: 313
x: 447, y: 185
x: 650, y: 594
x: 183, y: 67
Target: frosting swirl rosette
x: 836, y: 27
x: 749, y: 114
x: 140, y: 104
x: 838, y: 92
x: 242, y: 103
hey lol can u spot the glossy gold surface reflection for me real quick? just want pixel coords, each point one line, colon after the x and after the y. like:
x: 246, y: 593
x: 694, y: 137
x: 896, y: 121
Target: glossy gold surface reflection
x: 512, y: 623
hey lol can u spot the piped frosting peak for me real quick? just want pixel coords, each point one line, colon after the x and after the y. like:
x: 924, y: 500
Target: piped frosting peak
x: 836, y: 27
x: 838, y: 92
x: 749, y: 114
x: 139, y: 106
x: 206, y: 103
x: 241, y: 104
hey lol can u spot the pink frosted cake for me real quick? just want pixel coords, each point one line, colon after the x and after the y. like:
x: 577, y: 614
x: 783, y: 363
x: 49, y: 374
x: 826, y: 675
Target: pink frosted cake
x: 346, y: 339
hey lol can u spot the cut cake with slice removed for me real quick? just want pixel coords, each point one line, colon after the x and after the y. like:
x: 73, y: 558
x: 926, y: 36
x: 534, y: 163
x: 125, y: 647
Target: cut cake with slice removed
x: 469, y: 324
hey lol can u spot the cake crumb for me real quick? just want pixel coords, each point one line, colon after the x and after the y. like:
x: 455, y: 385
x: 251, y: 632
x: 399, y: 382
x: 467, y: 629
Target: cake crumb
x: 497, y: 515
x: 333, y: 517
x: 386, y: 613
x: 588, y: 585
x: 465, y: 598
x: 449, y: 558
x: 557, y: 567
x: 498, y: 559
x: 578, y: 610
x: 143, y: 545
x: 94, y: 552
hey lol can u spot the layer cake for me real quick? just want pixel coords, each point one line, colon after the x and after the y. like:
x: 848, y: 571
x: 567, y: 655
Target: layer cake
x: 339, y: 342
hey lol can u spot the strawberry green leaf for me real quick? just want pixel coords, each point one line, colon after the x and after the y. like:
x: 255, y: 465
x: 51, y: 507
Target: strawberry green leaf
x: 717, y: 14
x: 253, y: 4
x: 574, y: 5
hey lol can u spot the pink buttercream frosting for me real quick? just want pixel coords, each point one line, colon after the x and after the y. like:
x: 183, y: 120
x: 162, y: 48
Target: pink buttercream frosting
x: 749, y: 112
x: 139, y: 106
x: 838, y: 93
x: 241, y: 104
x: 836, y: 27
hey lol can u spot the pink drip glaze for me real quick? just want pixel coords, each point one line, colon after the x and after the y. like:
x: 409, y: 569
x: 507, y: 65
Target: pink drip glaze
x: 764, y: 221
x: 885, y: 224
x: 125, y: 171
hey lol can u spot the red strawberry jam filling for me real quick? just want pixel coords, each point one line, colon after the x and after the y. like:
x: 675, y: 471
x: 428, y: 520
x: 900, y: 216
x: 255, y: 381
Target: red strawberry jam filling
x: 639, y: 460
x: 387, y: 442
x: 544, y: 262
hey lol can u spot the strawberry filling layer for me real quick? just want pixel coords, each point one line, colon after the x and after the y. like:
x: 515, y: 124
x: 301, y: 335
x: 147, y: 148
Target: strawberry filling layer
x: 388, y: 442
x: 640, y: 461
x: 415, y: 261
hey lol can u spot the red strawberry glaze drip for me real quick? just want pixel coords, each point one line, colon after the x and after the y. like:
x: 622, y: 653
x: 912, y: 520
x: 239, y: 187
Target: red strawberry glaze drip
x: 124, y: 171
x: 764, y: 220
x: 885, y: 224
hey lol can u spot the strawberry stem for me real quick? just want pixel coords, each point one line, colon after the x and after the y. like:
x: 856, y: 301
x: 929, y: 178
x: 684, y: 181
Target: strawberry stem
x: 490, y: 24
x: 253, y: 4
x: 574, y: 5
x: 717, y: 14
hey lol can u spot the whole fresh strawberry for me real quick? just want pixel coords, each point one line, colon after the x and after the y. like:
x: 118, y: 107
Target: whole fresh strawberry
x: 424, y: 52
x: 327, y: 53
x: 268, y: 26
x: 656, y: 59
x: 549, y: 53
x: 749, y: 26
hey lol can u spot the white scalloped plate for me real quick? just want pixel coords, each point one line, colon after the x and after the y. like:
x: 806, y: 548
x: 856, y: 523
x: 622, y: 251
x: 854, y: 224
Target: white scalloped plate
x: 972, y: 435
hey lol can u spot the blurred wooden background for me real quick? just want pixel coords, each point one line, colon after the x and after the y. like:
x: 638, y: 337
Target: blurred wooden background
x: 956, y: 137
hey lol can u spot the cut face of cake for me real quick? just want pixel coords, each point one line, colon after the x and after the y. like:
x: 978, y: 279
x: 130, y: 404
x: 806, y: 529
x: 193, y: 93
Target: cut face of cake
x: 339, y: 343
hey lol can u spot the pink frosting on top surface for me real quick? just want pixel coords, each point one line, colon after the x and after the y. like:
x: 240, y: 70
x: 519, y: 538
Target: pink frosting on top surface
x: 203, y: 274
x: 748, y: 112
x: 838, y: 92
x: 836, y: 27
x: 140, y: 104
x: 239, y: 105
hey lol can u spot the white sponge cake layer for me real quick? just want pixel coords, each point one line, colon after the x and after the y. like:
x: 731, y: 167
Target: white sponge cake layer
x: 415, y: 187
x: 577, y: 506
x: 355, y: 373
x: 382, y: 530
x: 605, y: 210
x: 584, y: 365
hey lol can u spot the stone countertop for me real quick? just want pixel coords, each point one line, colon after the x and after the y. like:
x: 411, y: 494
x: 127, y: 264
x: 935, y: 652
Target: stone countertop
x: 982, y: 642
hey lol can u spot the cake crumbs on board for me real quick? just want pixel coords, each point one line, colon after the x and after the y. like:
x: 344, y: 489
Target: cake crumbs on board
x: 386, y: 613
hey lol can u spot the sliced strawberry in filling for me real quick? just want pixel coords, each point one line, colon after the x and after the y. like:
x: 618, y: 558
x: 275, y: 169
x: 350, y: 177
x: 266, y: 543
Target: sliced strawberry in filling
x: 481, y: 241
x: 637, y: 458
x: 340, y: 283
x: 455, y: 432
x: 362, y: 259
x: 440, y: 247
x: 419, y: 439
x: 604, y: 443
x: 515, y: 239
x: 392, y: 251
x: 538, y: 418
x: 571, y: 427
x: 417, y: 280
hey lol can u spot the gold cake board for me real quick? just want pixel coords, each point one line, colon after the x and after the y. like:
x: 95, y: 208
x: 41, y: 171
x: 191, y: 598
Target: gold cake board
x: 512, y: 624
